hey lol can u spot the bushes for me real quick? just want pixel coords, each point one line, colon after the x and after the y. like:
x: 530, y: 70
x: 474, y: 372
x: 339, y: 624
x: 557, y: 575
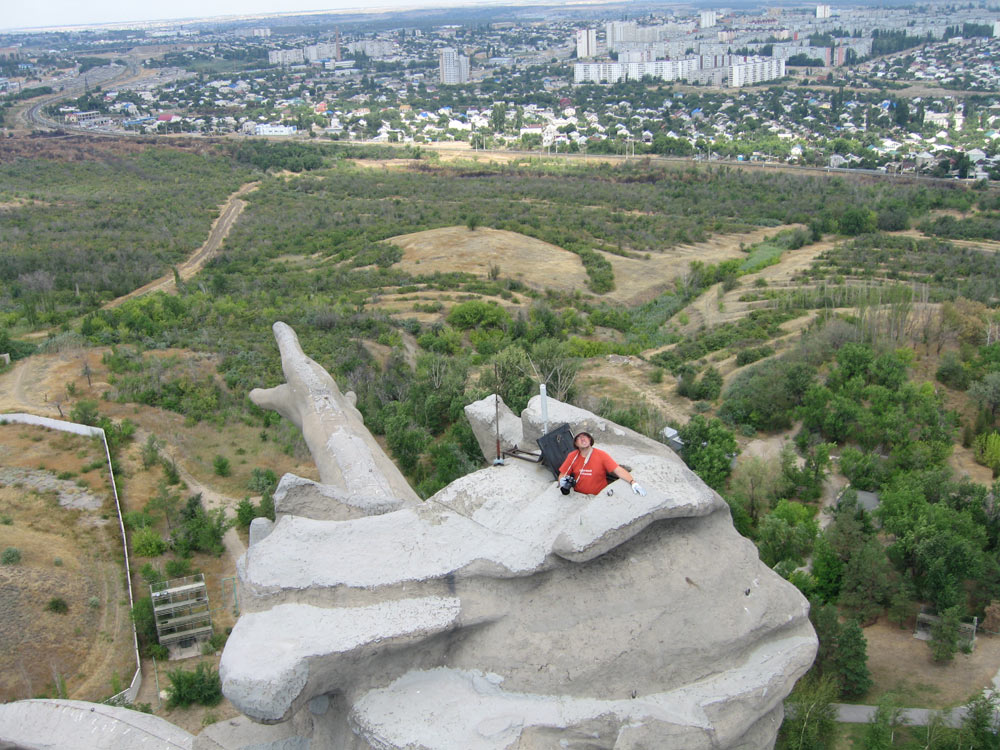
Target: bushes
x: 10, y: 556
x: 764, y: 396
x: 199, y: 531
x: 752, y: 354
x: 146, y: 542
x: 58, y: 605
x: 478, y: 314
x: 201, y: 686
x: 145, y: 623
x: 707, y: 388
x: 221, y: 466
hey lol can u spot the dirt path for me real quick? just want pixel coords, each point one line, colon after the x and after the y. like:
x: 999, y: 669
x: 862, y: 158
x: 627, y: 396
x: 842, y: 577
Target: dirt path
x: 103, y: 657
x: 212, y: 500
x: 706, y: 311
x: 231, y: 211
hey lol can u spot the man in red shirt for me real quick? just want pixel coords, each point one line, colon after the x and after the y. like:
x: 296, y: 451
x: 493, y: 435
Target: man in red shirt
x: 590, y: 467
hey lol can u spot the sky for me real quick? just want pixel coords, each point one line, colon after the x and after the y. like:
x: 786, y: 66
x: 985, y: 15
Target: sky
x: 16, y: 14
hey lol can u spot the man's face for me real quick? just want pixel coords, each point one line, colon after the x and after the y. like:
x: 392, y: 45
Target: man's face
x: 582, y: 441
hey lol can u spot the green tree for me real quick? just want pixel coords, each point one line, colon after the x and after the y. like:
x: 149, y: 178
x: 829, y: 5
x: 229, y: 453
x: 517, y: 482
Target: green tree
x: 498, y: 117
x: 754, y: 484
x: 708, y: 449
x: 85, y: 412
x: 880, y: 731
x: 827, y: 569
x: 787, y: 533
x: 199, y: 530
x: 851, y: 661
x: 867, y: 583
x: 945, y: 633
x: 986, y: 392
x: 856, y: 220
x: 980, y: 727
x: 810, y: 717
x: 508, y: 377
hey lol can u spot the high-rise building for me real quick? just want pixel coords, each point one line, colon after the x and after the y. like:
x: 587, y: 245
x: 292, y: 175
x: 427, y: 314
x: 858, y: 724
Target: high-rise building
x: 586, y: 43
x: 618, y: 32
x: 708, y: 19
x: 454, y: 67
x: 823, y: 11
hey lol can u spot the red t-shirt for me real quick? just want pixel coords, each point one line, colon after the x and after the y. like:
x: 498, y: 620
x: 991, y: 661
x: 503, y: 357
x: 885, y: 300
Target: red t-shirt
x: 591, y: 477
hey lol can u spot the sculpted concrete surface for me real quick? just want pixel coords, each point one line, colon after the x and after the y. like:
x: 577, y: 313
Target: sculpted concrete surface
x: 497, y: 614
x: 63, y: 724
x: 500, y: 613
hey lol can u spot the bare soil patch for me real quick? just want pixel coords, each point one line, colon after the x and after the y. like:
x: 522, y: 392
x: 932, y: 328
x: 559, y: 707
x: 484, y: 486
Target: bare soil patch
x: 902, y: 664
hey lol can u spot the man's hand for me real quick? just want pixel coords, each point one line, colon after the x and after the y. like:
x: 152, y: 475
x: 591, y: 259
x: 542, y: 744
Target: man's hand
x: 637, y: 489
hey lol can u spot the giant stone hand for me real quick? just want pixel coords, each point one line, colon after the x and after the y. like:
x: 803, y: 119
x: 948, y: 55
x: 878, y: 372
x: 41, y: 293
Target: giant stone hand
x: 500, y: 613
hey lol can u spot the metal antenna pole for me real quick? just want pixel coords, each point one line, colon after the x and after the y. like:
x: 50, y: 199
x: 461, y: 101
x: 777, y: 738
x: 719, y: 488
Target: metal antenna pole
x: 498, y: 461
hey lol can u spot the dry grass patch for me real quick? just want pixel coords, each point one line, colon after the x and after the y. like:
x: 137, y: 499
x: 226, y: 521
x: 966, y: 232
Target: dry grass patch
x: 68, y: 554
x: 526, y: 259
x: 902, y: 665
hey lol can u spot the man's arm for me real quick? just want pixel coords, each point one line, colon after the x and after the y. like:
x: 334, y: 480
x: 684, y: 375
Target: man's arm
x: 621, y: 473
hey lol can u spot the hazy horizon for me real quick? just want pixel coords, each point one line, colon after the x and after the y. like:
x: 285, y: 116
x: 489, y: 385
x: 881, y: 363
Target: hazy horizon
x: 63, y: 13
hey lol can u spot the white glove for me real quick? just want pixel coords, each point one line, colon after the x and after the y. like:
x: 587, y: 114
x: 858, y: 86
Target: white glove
x: 637, y: 489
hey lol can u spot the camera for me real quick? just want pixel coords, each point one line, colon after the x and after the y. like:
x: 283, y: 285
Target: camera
x: 566, y: 483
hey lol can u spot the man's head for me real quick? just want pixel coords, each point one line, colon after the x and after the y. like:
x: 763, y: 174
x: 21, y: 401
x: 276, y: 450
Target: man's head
x: 583, y: 440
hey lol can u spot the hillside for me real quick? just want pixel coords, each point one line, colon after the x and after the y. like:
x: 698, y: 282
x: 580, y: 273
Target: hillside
x: 852, y: 321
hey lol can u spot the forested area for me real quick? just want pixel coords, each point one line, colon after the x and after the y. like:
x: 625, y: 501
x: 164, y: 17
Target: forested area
x: 76, y: 233
x: 310, y: 250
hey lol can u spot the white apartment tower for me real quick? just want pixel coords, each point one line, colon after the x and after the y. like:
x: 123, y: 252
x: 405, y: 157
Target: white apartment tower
x: 823, y: 11
x: 618, y: 32
x: 708, y: 19
x: 453, y: 66
x: 586, y: 43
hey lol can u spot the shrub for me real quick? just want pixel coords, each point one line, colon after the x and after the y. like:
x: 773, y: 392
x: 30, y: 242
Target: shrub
x: 147, y: 543
x: 150, y: 573
x: 93, y: 602
x: 170, y: 472
x: 145, y: 624
x: 10, y: 556
x: 246, y: 511
x: 57, y: 561
x: 178, y: 568
x: 262, y: 480
x: 136, y: 519
x: 201, y: 686
x: 221, y: 466
x: 952, y: 372
x: 58, y: 605
x: 752, y: 354
x: 199, y: 531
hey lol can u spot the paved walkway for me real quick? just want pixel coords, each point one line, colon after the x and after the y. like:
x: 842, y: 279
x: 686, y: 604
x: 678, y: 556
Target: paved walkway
x: 914, y: 717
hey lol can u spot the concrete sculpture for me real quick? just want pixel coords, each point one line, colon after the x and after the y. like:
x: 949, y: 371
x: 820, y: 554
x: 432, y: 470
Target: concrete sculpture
x: 500, y: 613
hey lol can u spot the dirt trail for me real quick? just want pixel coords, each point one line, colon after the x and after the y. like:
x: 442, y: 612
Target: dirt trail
x: 706, y: 311
x: 220, y: 230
